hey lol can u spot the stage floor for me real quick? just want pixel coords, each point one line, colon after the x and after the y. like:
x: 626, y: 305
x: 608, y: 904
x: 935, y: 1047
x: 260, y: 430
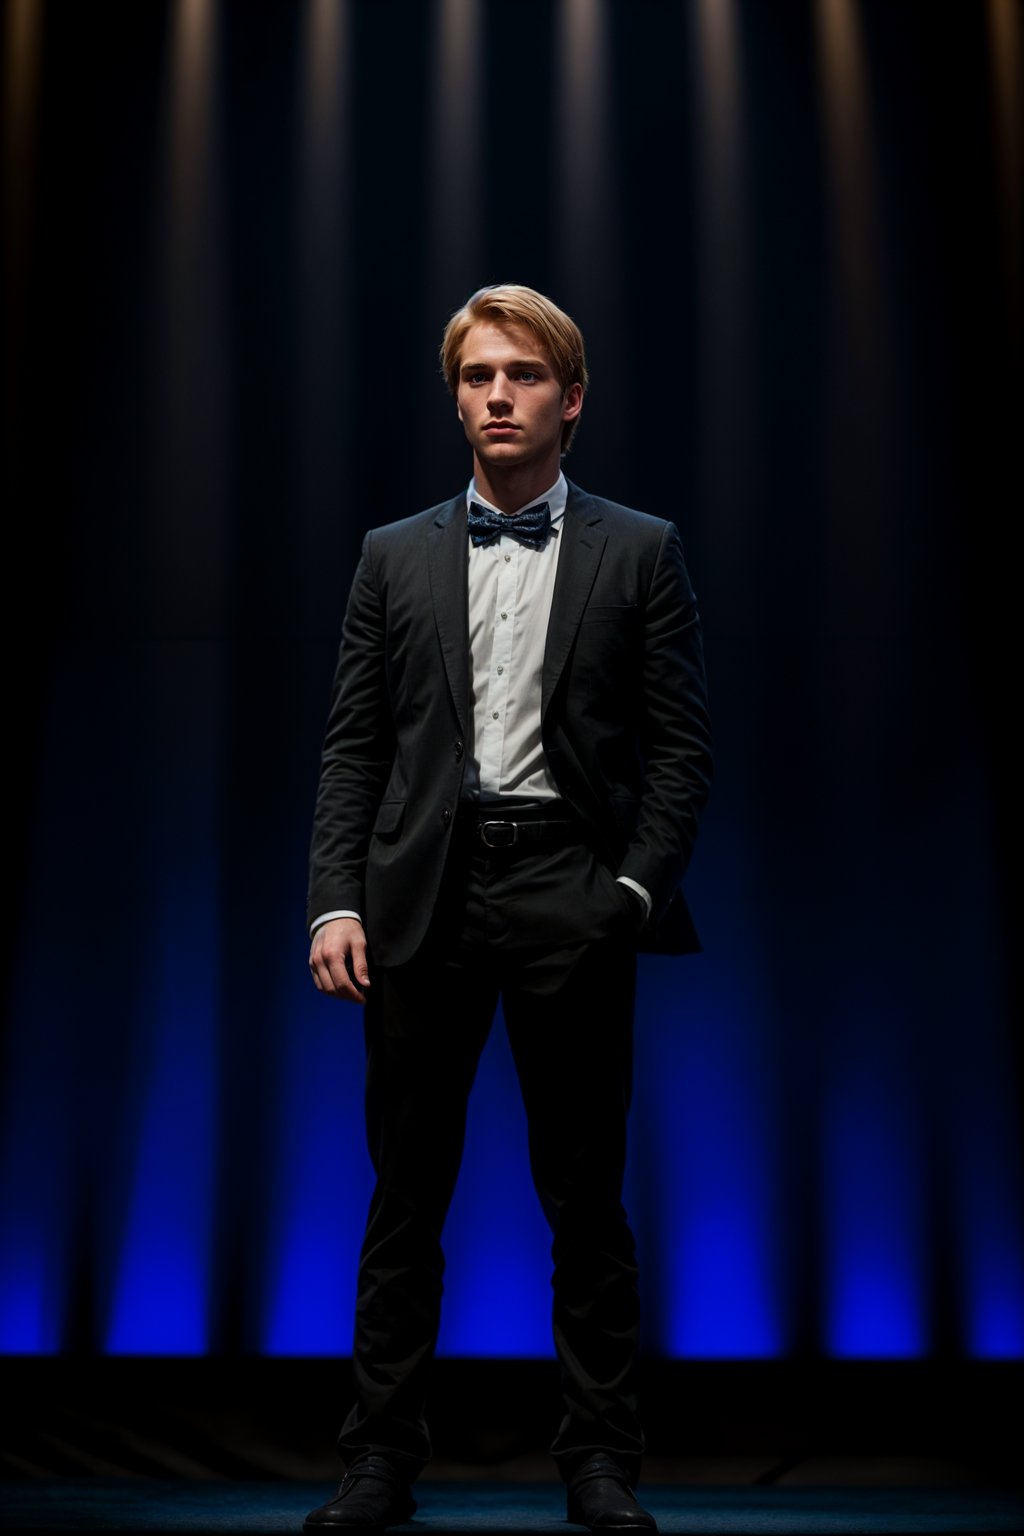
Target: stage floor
x: 483, y: 1505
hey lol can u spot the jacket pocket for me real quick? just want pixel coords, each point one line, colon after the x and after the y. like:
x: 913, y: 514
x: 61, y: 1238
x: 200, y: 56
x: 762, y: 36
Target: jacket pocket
x: 389, y: 818
x: 610, y: 613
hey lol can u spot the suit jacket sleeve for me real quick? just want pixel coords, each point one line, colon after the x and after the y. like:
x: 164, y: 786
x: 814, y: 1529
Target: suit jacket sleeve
x: 358, y: 751
x: 675, y: 730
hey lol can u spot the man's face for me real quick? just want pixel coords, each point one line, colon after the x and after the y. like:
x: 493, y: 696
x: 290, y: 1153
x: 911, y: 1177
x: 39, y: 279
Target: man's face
x: 510, y: 401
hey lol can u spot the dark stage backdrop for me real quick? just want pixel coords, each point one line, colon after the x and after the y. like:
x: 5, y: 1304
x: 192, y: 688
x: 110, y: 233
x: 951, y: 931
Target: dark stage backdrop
x: 791, y: 233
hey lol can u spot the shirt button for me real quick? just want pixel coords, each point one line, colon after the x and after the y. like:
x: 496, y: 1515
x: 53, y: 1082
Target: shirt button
x: 494, y: 716
x: 504, y: 615
x: 446, y: 816
x: 507, y: 559
x: 459, y: 749
x: 500, y: 671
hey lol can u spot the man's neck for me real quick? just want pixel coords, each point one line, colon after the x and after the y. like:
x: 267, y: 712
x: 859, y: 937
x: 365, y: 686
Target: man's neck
x: 516, y: 487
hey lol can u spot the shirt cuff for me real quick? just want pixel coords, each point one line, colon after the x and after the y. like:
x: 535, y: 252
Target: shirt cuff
x: 328, y: 917
x: 625, y: 880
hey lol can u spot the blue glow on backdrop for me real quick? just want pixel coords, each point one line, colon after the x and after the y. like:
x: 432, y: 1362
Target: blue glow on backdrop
x: 702, y: 1087
x: 878, y: 1304
x: 322, y: 1180
x: 161, y: 1297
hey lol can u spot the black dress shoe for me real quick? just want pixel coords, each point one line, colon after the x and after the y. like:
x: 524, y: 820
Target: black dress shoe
x: 601, y: 1499
x: 372, y: 1495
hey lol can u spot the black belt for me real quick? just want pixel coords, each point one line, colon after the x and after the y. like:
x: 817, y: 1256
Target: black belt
x: 528, y: 828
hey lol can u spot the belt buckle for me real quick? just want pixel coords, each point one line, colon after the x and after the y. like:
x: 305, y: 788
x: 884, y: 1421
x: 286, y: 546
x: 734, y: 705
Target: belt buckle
x: 487, y: 827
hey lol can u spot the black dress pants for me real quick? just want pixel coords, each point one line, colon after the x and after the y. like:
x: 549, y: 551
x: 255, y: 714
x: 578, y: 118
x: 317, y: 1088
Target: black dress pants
x: 549, y: 933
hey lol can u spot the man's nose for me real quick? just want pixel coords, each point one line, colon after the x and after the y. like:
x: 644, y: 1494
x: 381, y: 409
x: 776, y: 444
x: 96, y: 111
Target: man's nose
x: 499, y: 393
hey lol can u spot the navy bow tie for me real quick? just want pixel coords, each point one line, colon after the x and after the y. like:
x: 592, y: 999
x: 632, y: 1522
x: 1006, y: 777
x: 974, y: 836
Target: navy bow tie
x: 529, y: 527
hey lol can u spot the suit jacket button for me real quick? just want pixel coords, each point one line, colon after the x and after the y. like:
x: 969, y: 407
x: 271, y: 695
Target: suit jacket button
x: 446, y: 816
x: 459, y: 749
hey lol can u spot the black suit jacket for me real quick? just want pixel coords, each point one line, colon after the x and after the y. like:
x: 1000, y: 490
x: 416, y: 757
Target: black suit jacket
x: 625, y: 724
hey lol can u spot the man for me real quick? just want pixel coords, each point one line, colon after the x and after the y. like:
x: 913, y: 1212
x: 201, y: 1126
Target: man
x: 515, y: 759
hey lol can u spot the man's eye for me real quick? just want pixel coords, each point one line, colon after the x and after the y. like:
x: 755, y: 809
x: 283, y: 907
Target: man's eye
x: 476, y: 378
x: 527, y: 374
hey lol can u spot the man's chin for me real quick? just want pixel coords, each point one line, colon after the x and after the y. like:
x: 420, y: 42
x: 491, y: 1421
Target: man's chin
x: 501, y: 452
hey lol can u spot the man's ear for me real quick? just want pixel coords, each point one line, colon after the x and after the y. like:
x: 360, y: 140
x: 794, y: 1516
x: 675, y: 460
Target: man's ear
x: 573, y: 402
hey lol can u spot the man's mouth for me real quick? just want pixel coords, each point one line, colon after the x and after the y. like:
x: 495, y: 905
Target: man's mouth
x: 499, y: 427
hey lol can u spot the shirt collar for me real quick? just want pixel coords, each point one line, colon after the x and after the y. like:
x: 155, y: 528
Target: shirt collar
x: 556, y: 498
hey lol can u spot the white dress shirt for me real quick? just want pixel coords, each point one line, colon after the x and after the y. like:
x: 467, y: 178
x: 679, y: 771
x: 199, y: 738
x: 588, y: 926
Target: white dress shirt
x: 510, y: 590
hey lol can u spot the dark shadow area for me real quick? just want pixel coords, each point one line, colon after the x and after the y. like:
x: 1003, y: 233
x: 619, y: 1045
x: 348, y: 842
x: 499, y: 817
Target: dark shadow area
x: 717, y: 1423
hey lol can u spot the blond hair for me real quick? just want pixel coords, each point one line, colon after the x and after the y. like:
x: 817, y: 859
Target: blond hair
x: 514, y: 304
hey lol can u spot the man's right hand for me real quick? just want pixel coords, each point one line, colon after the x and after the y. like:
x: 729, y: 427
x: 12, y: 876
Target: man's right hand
x: 337, y: 959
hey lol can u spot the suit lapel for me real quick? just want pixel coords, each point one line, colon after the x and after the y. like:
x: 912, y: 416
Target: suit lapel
x: 583, y: 543
x: 447, y: 563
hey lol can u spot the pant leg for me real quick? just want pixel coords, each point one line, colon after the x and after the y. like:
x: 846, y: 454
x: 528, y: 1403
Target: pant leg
x: 569, y: 1014
x: 426, y: 1024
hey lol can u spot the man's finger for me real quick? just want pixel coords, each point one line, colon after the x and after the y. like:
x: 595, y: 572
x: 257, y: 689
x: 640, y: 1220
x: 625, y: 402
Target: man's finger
x: 359, y: 967
x: 334, y: 961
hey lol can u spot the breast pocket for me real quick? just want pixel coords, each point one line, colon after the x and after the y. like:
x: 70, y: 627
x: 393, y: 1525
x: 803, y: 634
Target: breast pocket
x: 611, y: 613
x: 608, y: 646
